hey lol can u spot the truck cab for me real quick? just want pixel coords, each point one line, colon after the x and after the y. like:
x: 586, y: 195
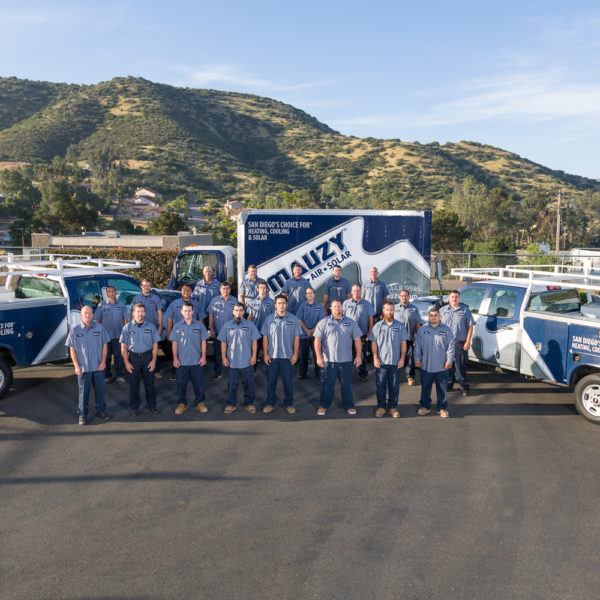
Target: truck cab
x: 190, y: 261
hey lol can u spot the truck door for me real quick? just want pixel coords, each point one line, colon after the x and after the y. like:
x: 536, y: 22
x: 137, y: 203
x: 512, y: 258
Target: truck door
x: 497, y: 331
x: 473, y: 296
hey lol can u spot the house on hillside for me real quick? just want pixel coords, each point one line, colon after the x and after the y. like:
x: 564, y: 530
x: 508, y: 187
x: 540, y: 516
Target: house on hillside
x: 144, y: 201
x: 233, y: 208
x: 146, y: 193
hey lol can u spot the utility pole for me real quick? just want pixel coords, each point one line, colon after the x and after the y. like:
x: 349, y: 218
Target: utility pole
x: 557, y: 243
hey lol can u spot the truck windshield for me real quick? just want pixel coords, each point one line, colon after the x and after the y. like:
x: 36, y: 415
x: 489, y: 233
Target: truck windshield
x: 191, y: 265
x: 126, y: 289
x: 558, y: 301
x: 37, y: 287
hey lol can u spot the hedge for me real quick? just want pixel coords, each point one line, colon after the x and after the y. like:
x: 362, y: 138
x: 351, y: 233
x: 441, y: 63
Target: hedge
x: 156, y: 265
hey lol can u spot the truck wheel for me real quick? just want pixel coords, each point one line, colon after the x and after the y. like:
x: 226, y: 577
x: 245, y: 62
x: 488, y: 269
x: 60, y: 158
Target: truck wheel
x: 6, y: 377
x: 587, y: 397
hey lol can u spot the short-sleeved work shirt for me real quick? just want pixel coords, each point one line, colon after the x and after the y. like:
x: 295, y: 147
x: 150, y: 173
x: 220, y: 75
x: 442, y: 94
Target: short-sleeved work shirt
x: 337, y: 289
x: 239, y: 338
x: 189, y: 340
x: 139, y: 338
x: 152, y: 303
x: 375, y: 292
x: 112, y: 315
x: 310, y: 315
x: 360, y: 311
x: 260, y: 309
x: 88, y: 343
x: 249, y: 288
x: 280, y: 332
x: 296, y: 292
x: 221, y: 310
x: 389, y: 338
x: 459, y: 320
x: 337, y: 338
x: 173, y: 311
x: 409, y: 315
x: 206, y: 291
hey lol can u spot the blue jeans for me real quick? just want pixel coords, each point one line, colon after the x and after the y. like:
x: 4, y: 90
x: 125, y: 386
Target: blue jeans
x: 85, y: 382
x: 140, y: 362
x: 182, y: 375
x: 387, y: 381
x: 114, y: 349
x: 441, y: 386
x: 283, y: 367
x: 331, y: 372
x: 307, y: 345
x: 218, y: 359
x: 410, y: 360
x: 247, y: 377
x: 458, y: 371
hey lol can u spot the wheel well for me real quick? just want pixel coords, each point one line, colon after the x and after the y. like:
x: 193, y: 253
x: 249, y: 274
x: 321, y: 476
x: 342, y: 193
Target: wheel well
x: 7, y: 356
x: 581, y: 372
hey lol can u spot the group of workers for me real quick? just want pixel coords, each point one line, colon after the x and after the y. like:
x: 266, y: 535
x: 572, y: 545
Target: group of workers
x: 351, y: 325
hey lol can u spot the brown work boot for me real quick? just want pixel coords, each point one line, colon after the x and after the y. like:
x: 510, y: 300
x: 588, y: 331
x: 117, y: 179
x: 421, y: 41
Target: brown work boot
x: 423, y: 411
x: 290, y: 410
x: 250, y: 408
x: 268, y: 408
x: 321, y: 411
x: 394, y: 413
x: 411, y: 381
x: 201, y: 407
x: 380, y: 412
x: 230, y: 408
x: 181, y: 408
x: 444, y: 413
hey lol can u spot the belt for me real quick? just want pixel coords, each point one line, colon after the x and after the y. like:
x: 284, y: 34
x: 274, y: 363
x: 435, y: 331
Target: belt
x: 141, y: 353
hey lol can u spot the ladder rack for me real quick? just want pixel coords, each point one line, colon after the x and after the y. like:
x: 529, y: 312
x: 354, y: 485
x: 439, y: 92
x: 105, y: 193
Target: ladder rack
x: 583, y: 278
x: 57, y: 264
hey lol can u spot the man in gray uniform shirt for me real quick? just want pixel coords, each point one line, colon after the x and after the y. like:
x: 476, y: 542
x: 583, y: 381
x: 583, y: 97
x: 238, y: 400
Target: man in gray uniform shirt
x: 281, y: 334
x: 334, y: 337
x: 206, y: 288
x: 362, y: 312
x: 139, y: 348
x: 434, y: 353
x: 220, y: 310
x: 189, y: 357
x: 113, y: 314
x: 408, y: 314
x: 388, y: 341
x: 375, y: 291
x: 258, y: 309
x: 309, y: 314
x: 458, y: 317
x: 249, y: 287
x: 293, y: 289
x: 87, y: 347
x: 152, y: 303
x: 239, y: 344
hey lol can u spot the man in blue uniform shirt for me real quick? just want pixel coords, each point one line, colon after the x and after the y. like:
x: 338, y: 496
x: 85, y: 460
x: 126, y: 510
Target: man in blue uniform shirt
x: 239, y: 341
x: 375, y: 291
x: 220, y: 310
x: 334, y: 337
x: 434, y: 353
x: 336, y: 288
x: 206, y: 288
x: 188, y: 337
x: 293, y: 289
x: 113, y: 315
x: 152, y: 303
x: 458, y: 317
x: 249, y: 287
x: 281, y: 334
x: 388, y: 342
x: 259, y: 308
x: 362, y: 312
x: 309, y: 314
x: 87, y: 343
x: 139, y: 348
x: 408, y: 314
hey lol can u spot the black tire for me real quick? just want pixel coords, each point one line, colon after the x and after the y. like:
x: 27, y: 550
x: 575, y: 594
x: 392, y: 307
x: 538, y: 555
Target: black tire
x: 6, y: 377
x: 587, y: 397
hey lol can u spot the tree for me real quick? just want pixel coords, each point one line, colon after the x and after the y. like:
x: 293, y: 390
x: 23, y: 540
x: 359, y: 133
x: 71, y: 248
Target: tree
x: 18, y: 190
x: 125, y: 226
x: 179, y: 205
x: 168, y: 223
x: 446, y: 231
x: 23, y: 225
x: 60, y: 211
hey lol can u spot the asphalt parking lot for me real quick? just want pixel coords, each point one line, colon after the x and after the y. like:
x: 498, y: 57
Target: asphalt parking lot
x: 500, y: 501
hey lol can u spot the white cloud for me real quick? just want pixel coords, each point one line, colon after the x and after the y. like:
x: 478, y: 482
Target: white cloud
x: 236, y: 77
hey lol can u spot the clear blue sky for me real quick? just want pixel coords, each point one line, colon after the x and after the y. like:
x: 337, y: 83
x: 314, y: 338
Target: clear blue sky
x: 522, y: 75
